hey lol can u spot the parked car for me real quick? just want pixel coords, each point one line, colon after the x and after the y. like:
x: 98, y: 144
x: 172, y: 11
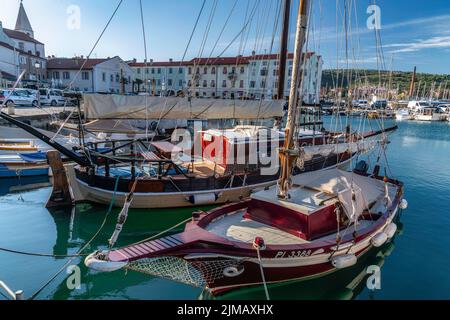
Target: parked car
x: 18, y: 97
x: 53, y: 97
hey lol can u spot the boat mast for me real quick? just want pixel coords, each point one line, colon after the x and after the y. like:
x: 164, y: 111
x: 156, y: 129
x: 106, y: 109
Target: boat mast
x: 287, y: 154
x: 413, y: 83
x: 283, y: 49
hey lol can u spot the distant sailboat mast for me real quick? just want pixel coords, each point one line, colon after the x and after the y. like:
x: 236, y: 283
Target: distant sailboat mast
x: 287, y: 154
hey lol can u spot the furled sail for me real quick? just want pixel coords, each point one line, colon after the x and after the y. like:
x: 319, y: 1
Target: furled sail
x: 97, y: 106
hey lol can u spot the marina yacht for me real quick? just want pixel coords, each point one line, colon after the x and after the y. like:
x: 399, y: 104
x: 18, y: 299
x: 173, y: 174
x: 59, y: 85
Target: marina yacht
x: 404, y: 114
x: 429, y: 113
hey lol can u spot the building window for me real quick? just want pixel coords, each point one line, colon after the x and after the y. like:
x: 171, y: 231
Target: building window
x: 159, y: 70
x: 290, y: 72
x: 225, y: 70
x: 275, y: 72
x: 252, y: 84
x: 104, y: 77
x: 180, y: 70
x: 205, y: 83
x: 198, y: 71
x: 170, y: 70
x: 197, y: 83
x: 213, y: 84
x: 241, y: 84
x: 224, y: 83
x: 159, y: 82
x: 22, y: 46
x: 263, y: 84
x: 180, y: 83
x: 213, y: 70
x: 139, y: 71
x: 242, y: 70
x: 146, y: 71
x: 169, y: 82
x: 263, y: 72
x: 85, y: 75
x: 189, y: 83
x: 112, y: 78
x: 205, y: 70
x: 153, y: 71
x: 66, y: 75
x: 190, y: 70
x: 55, y: 75
x: 117, y: 78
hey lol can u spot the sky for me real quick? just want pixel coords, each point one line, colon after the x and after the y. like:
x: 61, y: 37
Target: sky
x: 412, y: 32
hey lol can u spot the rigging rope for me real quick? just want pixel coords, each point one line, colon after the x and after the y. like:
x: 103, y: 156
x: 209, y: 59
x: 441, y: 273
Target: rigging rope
x: 84, y: 247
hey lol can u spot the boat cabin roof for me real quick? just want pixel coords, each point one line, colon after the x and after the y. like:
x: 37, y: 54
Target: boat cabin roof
x: 304, y: 200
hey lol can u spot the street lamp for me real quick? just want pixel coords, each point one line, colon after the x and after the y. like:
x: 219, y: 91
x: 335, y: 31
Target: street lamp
x: 37, y: 66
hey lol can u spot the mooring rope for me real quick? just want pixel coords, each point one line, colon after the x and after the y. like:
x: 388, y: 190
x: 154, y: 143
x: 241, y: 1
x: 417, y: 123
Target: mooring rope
x: 84, y: 247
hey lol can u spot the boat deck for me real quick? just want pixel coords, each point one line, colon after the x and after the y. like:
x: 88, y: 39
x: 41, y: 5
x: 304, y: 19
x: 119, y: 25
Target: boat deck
x: 235, y: 228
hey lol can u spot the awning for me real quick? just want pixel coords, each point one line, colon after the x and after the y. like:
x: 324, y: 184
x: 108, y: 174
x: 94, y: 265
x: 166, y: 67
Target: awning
x: 97, y: 106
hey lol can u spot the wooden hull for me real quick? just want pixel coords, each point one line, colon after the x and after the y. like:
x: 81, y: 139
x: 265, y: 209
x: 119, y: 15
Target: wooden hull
x: 83, y: 192
x: 212, y: 255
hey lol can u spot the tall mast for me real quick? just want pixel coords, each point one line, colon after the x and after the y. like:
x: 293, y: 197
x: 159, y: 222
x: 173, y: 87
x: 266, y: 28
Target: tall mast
x: 413, y: 82
x: 283, y: 49
x: 287, y: 154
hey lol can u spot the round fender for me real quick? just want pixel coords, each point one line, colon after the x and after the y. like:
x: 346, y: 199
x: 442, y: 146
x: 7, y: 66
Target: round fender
x: 390, y: 230
x: 92, y: 262
x: 379, y: 239
x: 403, y: 204
x: 344, y: 261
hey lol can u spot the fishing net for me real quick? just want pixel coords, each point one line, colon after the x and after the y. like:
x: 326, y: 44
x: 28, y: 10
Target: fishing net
x: 194, y: 273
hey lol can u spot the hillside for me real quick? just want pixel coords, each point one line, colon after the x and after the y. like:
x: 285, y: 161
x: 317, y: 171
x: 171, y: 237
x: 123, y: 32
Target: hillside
x: 399, y: 78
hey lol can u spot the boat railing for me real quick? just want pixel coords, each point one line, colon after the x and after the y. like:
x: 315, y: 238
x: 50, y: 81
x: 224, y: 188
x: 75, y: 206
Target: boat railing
x: 18, y: 295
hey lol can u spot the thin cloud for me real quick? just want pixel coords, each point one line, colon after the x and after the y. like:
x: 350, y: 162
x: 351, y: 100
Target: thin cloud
x: 431, y: 43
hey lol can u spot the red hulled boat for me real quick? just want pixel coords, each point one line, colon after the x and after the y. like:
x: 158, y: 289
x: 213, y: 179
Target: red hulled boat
x: 268, y: 240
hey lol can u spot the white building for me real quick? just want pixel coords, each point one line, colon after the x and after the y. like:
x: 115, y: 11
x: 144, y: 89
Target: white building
x: 158, y: 77
x: 250, y: 77
x: 20, y: 51
x: 111, y: 75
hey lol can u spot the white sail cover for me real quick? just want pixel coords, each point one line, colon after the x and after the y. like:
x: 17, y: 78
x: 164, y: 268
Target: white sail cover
x: 98, y: 106
x: 342, y: 184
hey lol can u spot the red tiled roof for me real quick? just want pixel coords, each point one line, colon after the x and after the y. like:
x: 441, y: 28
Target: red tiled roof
x: 73, y: 63
x: 215, y: 61
x: 218, y: 61
x: 20, y: 36
x: 276, y: 56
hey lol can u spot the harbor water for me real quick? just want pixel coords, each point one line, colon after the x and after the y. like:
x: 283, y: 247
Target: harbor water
x: 414, y: 266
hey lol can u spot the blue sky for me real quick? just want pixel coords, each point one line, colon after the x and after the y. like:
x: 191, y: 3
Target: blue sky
x: 414, y: 32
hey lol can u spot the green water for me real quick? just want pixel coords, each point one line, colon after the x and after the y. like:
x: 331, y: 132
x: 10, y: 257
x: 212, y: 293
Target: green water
x: 415, y: 266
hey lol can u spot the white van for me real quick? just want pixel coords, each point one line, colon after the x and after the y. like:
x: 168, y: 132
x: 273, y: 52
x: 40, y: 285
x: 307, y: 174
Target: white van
x: 53, y: 97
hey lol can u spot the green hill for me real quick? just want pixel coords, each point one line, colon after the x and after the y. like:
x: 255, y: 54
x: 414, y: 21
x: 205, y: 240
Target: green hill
x: 400, y: 79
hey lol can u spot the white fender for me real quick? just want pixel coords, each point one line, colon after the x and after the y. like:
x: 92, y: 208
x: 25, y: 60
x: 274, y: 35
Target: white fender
x: 92, y: 262
x: 201, y: 199
x: 390, y: 230
x: 344, y: 261
x: 403, y: 204
x: 379, y: 239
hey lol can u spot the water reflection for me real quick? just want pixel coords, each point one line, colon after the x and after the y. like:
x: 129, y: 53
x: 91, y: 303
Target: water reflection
x: 344, y: 284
